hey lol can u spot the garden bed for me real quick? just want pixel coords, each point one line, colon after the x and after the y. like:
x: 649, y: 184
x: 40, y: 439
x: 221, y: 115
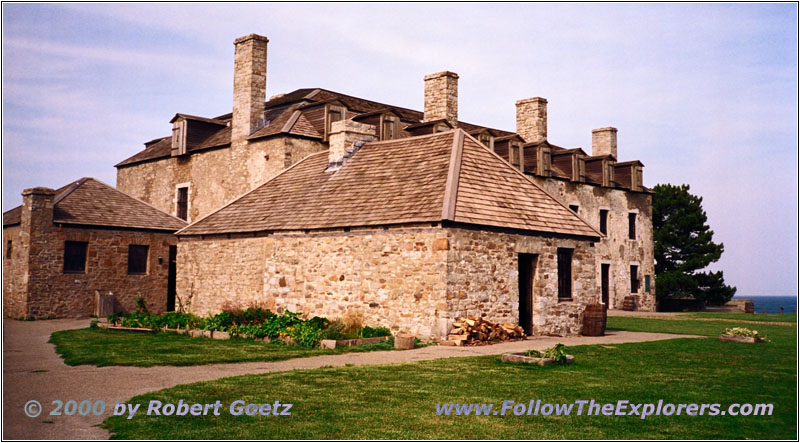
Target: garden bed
x: 333, y: 344
x: 740, y: 339
x: 520, y: 357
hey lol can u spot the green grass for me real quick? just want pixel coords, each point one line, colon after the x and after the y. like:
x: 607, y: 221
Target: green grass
x: 101, y: 347
x: 742, y: 316
x: 398, y: 401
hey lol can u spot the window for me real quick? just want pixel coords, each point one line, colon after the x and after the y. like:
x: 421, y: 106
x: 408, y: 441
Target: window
x: 574, y: 208
x: 387, y: 128
x: 632, y: 226
x: 647, y: 283
x: 9, y: 247
x: 514, y: 154
x: 137, y: 259
x: 335, y: 113
x: 634, y: 279
x: 564, y: 273
x: 75, y: 257
x: 183, y: 203
x: 604, y: 221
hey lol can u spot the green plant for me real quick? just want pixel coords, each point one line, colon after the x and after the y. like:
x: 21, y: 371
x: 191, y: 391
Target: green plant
x: 141, y: 306
x: 557, y: 353
x: 380, y: 331
x: 112, y: 318
x: 93, y: 324
x: 744, y: 332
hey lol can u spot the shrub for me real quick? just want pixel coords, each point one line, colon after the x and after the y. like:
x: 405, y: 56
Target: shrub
x: 744, y: 332
x: 557, y: 353
x: 380, y: 331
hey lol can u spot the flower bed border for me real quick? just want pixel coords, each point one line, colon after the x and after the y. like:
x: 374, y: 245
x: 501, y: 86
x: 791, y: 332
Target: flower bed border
x: 332, y: 344
x: 740, y: 339
x: 520, y: 357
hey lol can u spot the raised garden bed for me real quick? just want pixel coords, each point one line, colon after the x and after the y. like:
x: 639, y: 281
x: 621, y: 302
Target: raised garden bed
x: 332, y: 344
x: 520, y: 357
x: 740, y: 339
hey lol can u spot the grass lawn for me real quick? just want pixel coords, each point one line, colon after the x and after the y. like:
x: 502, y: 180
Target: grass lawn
x: 398, y: 401
x: 789, y: 318
x: 100, y: 347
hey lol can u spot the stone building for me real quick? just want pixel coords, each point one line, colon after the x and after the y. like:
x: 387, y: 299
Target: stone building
x: 64, y: 247
x: 207, y: 163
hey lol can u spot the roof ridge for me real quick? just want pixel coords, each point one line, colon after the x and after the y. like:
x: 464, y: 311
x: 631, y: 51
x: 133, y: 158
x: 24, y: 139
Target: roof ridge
x: 536, y: 185
x: 234, y: 200
x: 70, y: 189
x: 292, y: 120
x: 453, y: 176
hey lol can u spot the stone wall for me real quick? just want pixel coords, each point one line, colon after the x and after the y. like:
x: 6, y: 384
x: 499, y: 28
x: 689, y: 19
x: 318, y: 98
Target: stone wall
x: 483, y: 279
x: 46, y: 291
x: 215, y: 177
x: 415, y: 280
x: 14, y: 270
x: 616, y: 249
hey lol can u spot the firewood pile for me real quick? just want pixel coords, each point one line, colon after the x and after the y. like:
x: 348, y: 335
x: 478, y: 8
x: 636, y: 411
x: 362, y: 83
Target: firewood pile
x: 477, y: 331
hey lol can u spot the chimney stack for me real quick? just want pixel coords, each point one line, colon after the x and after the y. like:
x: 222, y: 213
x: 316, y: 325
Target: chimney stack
x: 532, y: 119
x: 249, y: 85
x: 441, y: 97
x: 37, y: 210
x: 604, y: 141
x: 347, y: 137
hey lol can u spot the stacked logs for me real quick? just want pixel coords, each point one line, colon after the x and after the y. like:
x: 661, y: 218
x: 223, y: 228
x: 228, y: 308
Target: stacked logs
x: 477, y: 331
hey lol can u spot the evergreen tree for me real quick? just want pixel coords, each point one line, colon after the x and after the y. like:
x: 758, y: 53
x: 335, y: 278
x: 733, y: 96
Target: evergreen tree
x: 684, y: 246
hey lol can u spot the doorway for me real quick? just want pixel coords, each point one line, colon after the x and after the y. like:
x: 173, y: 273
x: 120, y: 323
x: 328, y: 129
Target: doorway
x: 527, y: 276
x: 173, y: 267
x: 605, y: 268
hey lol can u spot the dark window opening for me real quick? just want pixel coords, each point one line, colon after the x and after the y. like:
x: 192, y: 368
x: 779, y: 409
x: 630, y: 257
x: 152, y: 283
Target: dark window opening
x: 574, y: 208
x: 647, y: 283
x: 564, y: 273
x: 9, y: 247
x: 632, y: 226
x: 137, y: 259
x: 604, y: 221
x: 634, y: 279
x: 75, y: 257
x: 183, y: 203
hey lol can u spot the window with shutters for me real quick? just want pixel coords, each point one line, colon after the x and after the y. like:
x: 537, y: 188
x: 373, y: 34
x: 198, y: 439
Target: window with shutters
x: 335, y: 113
x: 632, y: 225
x: 388, y: 128
x: 182, y: 203
x: 564, y: 256
x: 604, y: 221
x: 75, y: 257
x: 137, y: 259
x: 634, y: 279
x: 513, y: 154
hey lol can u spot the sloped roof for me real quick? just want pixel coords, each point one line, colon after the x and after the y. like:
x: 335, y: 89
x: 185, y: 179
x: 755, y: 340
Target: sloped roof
x: 93, y: 203
x: 431, y: 178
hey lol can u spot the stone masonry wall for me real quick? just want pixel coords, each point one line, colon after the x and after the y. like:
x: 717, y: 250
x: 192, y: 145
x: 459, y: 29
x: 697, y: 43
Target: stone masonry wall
x: 616, y: 249
x: 216, y: 177
x: 15, y: 268
x: 483, y: 279
x: 394, y: 278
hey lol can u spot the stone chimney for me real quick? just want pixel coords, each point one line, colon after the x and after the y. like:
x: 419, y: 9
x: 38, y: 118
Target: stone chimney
x: 37, y: 209
x: 532, y: 119
x: 347, y: 137
x: 441, y: 97
x: 604, y: 141
x: 249, y: 85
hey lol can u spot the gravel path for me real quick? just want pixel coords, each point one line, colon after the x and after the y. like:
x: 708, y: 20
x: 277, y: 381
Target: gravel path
x: 33, y: 371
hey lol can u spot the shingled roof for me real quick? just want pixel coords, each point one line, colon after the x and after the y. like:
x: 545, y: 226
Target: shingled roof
x: 432, y: 178
x: 93, y: 203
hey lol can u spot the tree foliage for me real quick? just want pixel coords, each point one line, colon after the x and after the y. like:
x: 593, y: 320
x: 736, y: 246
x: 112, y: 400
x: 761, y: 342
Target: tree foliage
x: 684, y: 246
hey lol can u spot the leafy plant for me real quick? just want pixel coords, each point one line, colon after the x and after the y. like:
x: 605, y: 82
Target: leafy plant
x: 141, y: 306
x: 744, y: 332
x: 558, y: 353
x: 112, y: 318
x: 380, y: 331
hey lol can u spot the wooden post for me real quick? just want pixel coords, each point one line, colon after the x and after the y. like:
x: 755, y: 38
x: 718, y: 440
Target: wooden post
x: 403, y: 341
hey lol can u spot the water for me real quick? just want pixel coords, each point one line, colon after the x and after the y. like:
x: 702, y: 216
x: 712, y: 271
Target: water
x: 772, y: 303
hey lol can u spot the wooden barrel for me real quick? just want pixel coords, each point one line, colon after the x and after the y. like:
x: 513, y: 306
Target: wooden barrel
x: 594, y: 320
x: 629, y: 303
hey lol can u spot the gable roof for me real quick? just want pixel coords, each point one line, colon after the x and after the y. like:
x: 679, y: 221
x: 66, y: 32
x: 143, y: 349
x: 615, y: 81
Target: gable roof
x: 431, y: 178
x: 93, y: 203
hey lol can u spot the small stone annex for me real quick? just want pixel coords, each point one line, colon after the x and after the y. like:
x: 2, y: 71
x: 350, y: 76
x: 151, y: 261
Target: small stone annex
x: 64, y: 248
x: 409, y: 233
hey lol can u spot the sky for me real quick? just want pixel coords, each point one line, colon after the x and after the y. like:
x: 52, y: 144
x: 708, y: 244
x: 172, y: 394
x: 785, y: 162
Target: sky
x: 703, y: 94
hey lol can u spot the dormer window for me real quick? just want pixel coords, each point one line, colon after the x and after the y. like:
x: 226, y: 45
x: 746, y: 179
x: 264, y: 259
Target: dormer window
x: 513, y: 155
x: 389, y: 127
x: 179, y: 137
x: 487, y: 140
x: 334, y: 114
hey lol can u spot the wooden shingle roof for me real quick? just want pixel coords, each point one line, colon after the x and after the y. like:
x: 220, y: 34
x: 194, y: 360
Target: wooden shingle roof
x: 91, y: 202
x: 444, y: 176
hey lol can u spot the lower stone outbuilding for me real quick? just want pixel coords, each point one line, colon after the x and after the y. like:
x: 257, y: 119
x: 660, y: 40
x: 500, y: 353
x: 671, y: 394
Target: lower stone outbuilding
x: 66, y: 249
x: 409, y: 234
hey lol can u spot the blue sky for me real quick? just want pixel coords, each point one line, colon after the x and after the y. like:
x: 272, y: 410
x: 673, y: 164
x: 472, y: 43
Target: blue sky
x: 704, y: 94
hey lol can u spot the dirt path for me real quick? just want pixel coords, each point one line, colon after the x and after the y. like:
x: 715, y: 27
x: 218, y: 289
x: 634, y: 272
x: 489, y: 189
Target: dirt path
x: 33, y: 371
